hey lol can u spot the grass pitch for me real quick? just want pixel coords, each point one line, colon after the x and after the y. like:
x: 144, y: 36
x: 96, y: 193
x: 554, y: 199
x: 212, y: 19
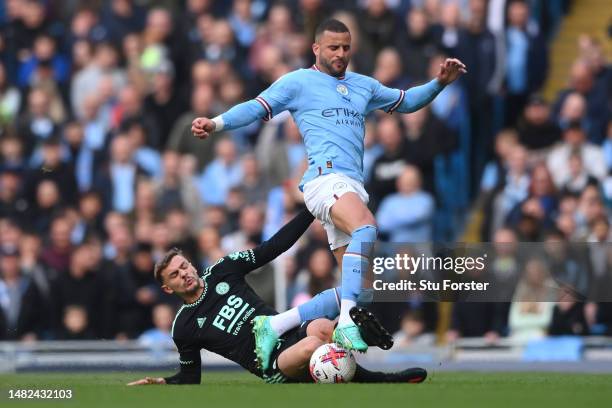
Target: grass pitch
x: 238, y: 389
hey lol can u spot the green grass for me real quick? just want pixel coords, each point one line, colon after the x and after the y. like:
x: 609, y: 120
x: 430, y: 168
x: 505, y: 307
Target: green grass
x: 237, y: 389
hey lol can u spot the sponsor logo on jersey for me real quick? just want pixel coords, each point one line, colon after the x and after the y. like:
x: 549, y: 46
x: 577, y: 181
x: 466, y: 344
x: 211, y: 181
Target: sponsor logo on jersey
x: 201, y: 321
x: 222, y: 288
x: 233, y: 315
x: 344, y: 116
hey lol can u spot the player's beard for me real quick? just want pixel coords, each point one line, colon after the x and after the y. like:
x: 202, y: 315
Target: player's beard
x: 330, y: 66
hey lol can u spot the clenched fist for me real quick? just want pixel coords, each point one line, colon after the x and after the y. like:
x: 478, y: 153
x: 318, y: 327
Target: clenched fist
x: 202, y: 127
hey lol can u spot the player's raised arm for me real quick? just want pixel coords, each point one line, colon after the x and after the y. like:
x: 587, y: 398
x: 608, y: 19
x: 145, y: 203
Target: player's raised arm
x: 273, y: 100
x: 284, y: 239
x: 413, y: 99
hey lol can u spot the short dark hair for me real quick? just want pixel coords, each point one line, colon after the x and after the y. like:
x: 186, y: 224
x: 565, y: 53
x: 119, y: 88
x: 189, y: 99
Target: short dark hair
x: 331, y: 24
x: 163, y: 264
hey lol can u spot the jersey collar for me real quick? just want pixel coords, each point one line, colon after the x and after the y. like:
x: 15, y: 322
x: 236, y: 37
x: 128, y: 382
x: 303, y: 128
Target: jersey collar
x: 314, y: 66
x: 201, y: 297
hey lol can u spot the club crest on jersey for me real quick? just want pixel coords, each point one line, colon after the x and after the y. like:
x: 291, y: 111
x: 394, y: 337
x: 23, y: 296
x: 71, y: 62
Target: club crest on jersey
x: 222, y: 288
x: 201, y: 321
x: 342, y: 89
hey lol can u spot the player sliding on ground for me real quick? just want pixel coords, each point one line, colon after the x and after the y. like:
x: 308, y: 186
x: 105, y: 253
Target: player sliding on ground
x: 219, y: 304
x: 329, y: 105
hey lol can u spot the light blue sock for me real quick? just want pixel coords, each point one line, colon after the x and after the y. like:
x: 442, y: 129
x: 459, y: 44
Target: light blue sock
x: 355, y: 262
x: 325, y: 304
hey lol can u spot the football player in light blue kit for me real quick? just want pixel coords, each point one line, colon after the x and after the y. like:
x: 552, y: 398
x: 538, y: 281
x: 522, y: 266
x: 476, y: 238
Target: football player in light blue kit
x: 329, y: 106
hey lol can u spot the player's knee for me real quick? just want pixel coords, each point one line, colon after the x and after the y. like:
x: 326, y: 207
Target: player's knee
x: 322, y: 329
x: 310, y: 344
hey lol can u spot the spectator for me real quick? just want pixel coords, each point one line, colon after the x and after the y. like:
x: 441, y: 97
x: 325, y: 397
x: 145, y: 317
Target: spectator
x: 91, y: 216
x: 532, y: 307
x: 568, y: 266
x: 389, y: 70
x: 406, y: 216
x: 44, y: 57
x: 525, y: 58
x: 180, y: 232
x: 578, y: 178
x: 54, y: 168
x: 117, y: 180
x: 176, y: 188
x: 568, y: 317
x: 46, y: 206
x: 164, y: 102
x: 412, y: 332
x: 129, y: 108
x: 122, y: 17
x: 446, y: 32
x: 253, y: 185
x: 209, y: 245
x: 426, y: 137
x: 30, y: 23
x: 379, y: 24
x: 221, y: 174
x: 75, y: 324
x: 390, y: 164
x: 515, y: 187
x: 536, y: 129
x: 417, y: 45
x: 574, y: 140
x: 58, y: 251
x: 181, y: 140
x: 145, y: 156
x: 540, y: 206
x: 280, y: 150
x: 595, y: 113
x: 20, y: 315
x: 80, y: 285
x: 478, y: 50
x: 86, y: 81
x: 250, y: 233
x: 319, y: 276
x: 10, y: 98
x: 11, y: 205
x: 11, y: 154
x: 159, y: 336
x: 38, y: 122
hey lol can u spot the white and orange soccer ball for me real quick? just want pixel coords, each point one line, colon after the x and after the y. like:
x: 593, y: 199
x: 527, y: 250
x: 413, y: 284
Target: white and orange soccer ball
x: 331, y: 363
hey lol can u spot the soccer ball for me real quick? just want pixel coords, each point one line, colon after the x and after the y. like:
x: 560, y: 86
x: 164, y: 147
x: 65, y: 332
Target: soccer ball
x: 331, y: 363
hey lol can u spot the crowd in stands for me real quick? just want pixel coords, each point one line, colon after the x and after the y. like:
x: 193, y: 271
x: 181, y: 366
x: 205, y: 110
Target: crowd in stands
x: 100, y: 174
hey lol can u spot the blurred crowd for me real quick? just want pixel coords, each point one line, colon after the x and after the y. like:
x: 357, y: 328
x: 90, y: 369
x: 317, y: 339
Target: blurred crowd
x: 100, y: 175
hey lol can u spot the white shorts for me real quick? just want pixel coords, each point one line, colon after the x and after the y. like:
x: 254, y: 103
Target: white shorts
x: 321, y: 193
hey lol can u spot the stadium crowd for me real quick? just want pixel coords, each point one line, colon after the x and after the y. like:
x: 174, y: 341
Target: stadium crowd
x: 100, y: 175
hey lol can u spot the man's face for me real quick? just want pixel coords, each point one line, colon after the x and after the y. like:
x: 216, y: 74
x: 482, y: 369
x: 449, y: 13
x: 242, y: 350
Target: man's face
x: 333, y: 52
x: 180, y: 277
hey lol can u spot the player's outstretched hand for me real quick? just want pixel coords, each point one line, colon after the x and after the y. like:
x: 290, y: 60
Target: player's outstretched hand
x: 148, y: 380
x: 450, y: 70
x: 202, y: 127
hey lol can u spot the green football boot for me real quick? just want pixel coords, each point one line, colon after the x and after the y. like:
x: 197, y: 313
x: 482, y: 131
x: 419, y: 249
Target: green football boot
x: 348, y: 337
x: 265, y: 341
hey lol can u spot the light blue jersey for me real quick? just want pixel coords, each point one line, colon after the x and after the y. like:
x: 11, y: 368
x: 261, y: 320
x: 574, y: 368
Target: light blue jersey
x: 330, y: 114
